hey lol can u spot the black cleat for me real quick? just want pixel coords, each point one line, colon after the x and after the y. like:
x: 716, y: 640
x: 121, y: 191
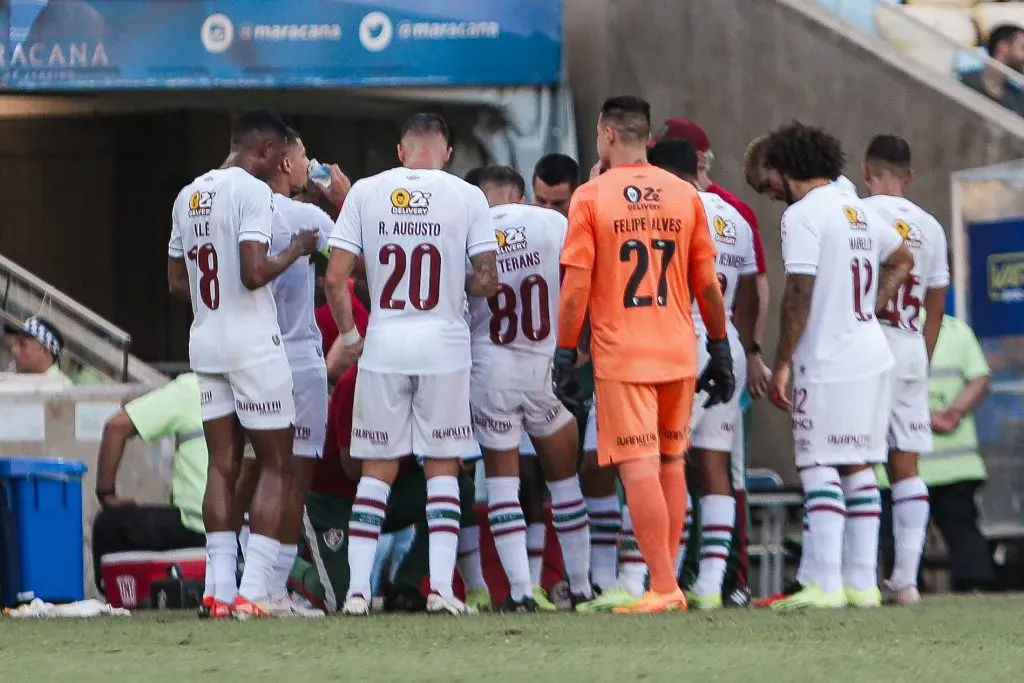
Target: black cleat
x: 525, y: 606
x: 404, y: 600
x: 739, y: 596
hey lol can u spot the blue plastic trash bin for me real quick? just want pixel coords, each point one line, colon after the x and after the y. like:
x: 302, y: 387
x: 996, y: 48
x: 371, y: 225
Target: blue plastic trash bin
x: 41, y: 529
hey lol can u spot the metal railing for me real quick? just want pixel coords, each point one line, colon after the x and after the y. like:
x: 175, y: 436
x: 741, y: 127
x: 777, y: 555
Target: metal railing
x: 90, y: 340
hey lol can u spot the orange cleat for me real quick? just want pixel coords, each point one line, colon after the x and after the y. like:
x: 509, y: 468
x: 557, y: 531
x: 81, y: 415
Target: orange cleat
x: 765, y: 603
x: 219, y: 610
x: 654, y: 603
x: 244, y: 609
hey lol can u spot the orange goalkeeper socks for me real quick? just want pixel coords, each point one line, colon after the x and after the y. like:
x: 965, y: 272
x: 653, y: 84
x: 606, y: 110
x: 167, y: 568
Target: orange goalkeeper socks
x: 647, y: 507
x: 673, y: 486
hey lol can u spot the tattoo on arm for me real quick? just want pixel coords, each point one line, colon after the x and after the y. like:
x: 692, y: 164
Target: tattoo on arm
x: 894, y: 273
x: 795, y: 308
x: 483, y: 281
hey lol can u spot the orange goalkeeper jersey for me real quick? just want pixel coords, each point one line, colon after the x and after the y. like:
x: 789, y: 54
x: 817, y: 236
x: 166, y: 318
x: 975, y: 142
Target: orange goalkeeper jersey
x: 638, y: 229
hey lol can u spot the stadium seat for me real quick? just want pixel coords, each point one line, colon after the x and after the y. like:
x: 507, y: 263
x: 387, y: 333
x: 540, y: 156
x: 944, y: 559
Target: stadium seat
x: 932, y: 35
x: 988, y: 15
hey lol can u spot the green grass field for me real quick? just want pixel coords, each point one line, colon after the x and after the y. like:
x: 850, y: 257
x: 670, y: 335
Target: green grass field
x: 945, y: 639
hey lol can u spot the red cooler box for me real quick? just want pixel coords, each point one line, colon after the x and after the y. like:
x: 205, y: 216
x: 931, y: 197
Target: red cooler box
x: 127, y: 576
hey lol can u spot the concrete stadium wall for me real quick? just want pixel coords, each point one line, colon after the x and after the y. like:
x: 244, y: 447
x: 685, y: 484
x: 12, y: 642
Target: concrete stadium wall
x: 740, y: 67
x: 59, y: 423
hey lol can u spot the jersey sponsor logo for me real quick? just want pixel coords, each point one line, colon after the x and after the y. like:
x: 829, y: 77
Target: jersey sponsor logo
x: 200, y: 204
x: 855, y: 217
x: 725, y: 230
x: 910, y: 233
x: 855, y: 440
x: 636, y: 440
x: 333, y: 538
x: 642, y: 198
x: 303, y: 433
x: 496, y: 426
x: 461, y: 433
x: 409, y: 202
x: 375, y: 437
x: 802, y: 444
x: 1006, y: 277
x: 258, y: 407
x: 510, y: 240
x: 802, y: 423
x: 676, y: 434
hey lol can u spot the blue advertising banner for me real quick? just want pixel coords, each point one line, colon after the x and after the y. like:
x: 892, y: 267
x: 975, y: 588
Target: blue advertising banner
x: 52, y: 45
x: 996, y: 251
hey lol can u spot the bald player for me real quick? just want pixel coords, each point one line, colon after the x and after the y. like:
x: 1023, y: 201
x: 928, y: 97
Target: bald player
x: 645, y: 231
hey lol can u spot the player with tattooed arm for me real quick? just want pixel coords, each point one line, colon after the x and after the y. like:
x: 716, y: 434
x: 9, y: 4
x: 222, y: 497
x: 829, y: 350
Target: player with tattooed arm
x: 843, y: 265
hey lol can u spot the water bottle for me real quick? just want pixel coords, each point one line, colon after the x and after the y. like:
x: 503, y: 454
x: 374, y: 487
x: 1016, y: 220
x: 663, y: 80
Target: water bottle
x: 319, y: 174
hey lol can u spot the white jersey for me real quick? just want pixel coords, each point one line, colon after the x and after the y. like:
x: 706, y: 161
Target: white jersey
x: 845, y: 184
x: 294, y: 288
x: 233, y: 327
x: 734, y: 242
x: 416, y: 228
x: 514, y: 332
x: 836, y: 237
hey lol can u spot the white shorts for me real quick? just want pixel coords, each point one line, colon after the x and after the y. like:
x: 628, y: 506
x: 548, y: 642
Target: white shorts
x: 310, y: 411
x: 399, y: 415
x: 260, y: 395
x: 910, y: 421
x: 714, y: 428
x: 502, y: 416
x: 841, y: 423
x: 589, y: 436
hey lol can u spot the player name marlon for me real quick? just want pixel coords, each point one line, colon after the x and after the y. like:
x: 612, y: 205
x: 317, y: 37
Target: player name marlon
x: 642, y: 223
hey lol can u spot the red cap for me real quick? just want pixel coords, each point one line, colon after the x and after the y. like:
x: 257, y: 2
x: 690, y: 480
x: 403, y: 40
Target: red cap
x: 685, y: 129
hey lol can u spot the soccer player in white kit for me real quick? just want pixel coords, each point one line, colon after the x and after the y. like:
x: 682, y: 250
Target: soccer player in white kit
x: 219, y: 258
x: 416, y: 226
x: 713, y: 429
x: 293, y: 293
x: 513, y: 336
x: 841, y: 268
x: 887, y: 172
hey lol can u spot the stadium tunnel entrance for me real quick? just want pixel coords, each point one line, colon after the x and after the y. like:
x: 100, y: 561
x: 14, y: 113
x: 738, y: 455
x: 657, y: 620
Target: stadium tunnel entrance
x: 87, y: 180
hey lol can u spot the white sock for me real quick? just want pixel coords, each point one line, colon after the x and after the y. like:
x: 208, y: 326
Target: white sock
x: 632, y: 568
x: 684, y: 536
x: 208, y: 591
x: 222, y: 551
x: 569, y: 517
x: 805, y: 572
x: 243, y: 538
x: 535, y: 534
x: 717, y: 519
x: 443, y: 515
x: 469, y: 559
x: 282, y: 570
x: 826, y: 516
x: 860, y: 534
x: 605, y: 527
x: 368, y: 511
x: 910, y: 512
x: 261, y: 556
x: 508, y: 527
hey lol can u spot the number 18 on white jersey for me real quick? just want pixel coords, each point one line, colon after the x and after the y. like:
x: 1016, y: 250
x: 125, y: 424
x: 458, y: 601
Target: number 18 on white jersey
x: 415, y: 229
x: 514, y: 331
x: 233, y: 327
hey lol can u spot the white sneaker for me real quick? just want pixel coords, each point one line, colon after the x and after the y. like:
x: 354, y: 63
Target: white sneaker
x: 438, y: 604
x: 280, y: 608
x: 301, y: 608
x: 356, y: 606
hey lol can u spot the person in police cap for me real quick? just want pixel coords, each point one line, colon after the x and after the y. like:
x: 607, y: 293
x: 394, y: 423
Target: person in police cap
x: 36, y: 348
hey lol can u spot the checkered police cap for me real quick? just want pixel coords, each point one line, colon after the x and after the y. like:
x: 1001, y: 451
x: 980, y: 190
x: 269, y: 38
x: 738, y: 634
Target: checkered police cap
x: 42, y: 330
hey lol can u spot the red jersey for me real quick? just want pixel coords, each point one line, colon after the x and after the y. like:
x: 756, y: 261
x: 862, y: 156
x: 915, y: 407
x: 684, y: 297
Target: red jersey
x: 328, y: 476
x: 748, y: 215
